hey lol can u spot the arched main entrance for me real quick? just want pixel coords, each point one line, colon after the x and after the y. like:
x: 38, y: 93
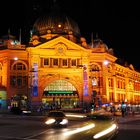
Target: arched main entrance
x: 60, y: 94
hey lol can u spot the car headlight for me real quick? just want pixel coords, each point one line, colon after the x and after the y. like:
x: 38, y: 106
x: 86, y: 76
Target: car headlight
x: 64, y: 121
x: 50, y: 121
x: 104, y: 132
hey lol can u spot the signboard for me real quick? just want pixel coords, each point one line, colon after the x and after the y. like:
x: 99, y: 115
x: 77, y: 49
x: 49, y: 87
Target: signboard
x: 59, y: 92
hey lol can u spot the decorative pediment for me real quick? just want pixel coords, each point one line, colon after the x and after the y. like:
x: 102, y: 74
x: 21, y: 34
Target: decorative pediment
x: 61, y: 44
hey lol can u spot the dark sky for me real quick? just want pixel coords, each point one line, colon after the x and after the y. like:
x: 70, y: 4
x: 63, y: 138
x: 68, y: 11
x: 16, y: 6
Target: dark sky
x: 116, y: 22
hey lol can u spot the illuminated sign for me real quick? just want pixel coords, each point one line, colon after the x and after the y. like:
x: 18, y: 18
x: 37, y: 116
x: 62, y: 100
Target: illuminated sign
x: 60, y: 92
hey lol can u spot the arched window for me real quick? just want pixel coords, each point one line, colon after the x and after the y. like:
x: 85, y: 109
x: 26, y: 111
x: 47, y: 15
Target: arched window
x: 19, y: 74
x: 94, y: 67
x: 60, y: 85
x: 19, y: 66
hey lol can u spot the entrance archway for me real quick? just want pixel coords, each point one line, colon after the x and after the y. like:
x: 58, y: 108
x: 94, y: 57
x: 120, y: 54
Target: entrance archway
x: 60, y: 94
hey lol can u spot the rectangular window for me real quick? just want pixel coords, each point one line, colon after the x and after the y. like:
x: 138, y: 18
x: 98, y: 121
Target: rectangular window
x: 18, y: 81
x: 46, y: 61
x: 79, y: 62
x: 73, y: 62
x: 55, y: 62
x: 65, y: 62
x: 111, y: 96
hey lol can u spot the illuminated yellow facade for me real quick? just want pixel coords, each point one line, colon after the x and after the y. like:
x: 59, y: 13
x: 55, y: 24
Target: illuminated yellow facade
x: 64, y: 72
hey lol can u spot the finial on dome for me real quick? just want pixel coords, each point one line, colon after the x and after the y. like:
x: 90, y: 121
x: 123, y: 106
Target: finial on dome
x: 97, y: 36
x: 92, y: 42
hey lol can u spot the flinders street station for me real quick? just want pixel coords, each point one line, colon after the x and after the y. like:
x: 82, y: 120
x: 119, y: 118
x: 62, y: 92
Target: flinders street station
x: 59, y: 68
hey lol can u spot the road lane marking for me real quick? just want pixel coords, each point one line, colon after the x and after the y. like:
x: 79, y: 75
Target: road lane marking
x: 37, y: 134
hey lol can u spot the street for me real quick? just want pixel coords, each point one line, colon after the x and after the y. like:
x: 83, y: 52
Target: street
x: 129, y: 128
x: 33, y: 128
x: 14, y: 127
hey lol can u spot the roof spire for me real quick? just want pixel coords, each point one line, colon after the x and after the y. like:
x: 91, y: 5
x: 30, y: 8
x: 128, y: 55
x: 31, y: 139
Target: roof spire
x: 97, y: 36
x: 92, y: 40
x: 20, y: 35
x: 9, y: 31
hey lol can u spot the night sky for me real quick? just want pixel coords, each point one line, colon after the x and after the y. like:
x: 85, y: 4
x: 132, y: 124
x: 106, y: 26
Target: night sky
x: 115, y: 22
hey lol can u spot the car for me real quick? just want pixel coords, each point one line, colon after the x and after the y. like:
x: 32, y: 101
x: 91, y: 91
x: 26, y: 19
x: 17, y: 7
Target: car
x: 96, y: 126
x: 56, y: 119
x: 105, y: 126
x: 26, y: 112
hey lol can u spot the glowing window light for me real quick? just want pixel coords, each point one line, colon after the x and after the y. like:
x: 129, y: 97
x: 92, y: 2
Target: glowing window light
x: 87, y: 127
x: 100, y: 134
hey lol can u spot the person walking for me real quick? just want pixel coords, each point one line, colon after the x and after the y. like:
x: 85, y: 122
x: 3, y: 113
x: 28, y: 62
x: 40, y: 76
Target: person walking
x: 123, y: 111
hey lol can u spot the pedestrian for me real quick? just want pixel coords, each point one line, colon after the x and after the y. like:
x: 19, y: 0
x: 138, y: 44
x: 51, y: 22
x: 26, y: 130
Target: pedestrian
x: 123, y: 112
